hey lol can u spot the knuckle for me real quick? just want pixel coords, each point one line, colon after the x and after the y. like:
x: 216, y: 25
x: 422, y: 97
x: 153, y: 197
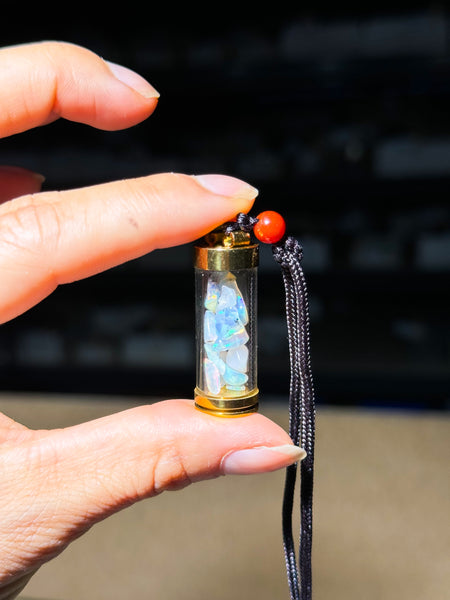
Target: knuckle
x: 170, y: 472
x: 34, y: 226
x: 160, y: 457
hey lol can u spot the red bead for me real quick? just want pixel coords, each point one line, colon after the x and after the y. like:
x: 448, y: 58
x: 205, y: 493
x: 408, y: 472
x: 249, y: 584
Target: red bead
x: 270, y: 227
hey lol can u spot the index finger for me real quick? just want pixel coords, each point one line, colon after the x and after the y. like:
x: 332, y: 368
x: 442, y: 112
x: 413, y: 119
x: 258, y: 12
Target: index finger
x: 57, y: 237
x: 43, y: 81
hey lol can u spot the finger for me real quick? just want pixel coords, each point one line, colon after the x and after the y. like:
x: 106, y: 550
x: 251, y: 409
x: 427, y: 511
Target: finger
x: 59, y: 237
x: 15, y: 181
x: 43, y: 81
x: 89, y: 471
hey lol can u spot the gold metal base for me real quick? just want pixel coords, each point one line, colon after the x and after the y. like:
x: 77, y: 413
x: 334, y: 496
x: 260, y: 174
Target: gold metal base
x: 227, y: 407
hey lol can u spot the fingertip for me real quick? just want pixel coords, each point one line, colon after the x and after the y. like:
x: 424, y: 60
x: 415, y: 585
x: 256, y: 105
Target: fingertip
x: 225, y: 185
x: 230, y: 194
x: 133, y: 80
x: 46, y: 80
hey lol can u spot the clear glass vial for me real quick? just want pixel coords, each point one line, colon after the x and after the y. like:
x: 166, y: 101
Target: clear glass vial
x: 226, y: 346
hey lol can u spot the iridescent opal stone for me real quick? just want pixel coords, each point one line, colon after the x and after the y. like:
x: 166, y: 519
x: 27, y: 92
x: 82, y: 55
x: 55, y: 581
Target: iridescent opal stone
x: 237, y: 358
x: 212, y: 295
x: 225, y: 337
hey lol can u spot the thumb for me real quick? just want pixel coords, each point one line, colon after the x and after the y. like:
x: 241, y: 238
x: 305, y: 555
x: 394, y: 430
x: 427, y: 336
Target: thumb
x: 64, y: 481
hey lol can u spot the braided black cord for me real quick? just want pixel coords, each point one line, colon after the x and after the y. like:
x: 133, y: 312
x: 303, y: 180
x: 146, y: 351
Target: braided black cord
x: 243, y: 221
x: 291, y: 471
x: 302, y: 418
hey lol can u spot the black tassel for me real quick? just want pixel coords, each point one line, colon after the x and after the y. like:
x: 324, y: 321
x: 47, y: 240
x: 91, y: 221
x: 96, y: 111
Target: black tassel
x: 288, y: 254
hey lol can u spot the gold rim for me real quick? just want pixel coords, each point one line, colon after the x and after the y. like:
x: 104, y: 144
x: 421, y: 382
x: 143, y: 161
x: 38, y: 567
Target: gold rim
x: 227, y: 407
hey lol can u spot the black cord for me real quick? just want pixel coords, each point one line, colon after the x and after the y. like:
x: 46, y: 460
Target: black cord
x: 243, y: 221
x: 302, y: 418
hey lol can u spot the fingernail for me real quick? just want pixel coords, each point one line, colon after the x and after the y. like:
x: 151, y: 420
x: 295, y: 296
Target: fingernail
x: 224, y: 185
x: 133, y: 80
x: 38, y: 177
x: 21, y: 172
x: 261, y: 459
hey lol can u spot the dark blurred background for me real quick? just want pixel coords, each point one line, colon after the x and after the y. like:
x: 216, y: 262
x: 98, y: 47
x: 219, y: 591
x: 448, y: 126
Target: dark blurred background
x: 341, y: 118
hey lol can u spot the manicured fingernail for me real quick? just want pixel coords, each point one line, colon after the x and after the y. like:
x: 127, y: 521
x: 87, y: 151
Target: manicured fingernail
x: 224, y: 185
x: 133, y: 80
x: 21, y: 172
x: 261, y: 459
x: 39, y: 178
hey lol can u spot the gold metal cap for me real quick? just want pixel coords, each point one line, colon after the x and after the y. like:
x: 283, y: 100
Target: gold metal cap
x: 223, y: 251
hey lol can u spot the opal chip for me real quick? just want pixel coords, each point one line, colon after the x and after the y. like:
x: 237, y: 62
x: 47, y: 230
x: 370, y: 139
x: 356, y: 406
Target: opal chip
x: 233, y: 377
x: 209, y: 327
x: 212, y: 295
x: 212, y: 376
x: 237, y: 358
x: 215, y: 358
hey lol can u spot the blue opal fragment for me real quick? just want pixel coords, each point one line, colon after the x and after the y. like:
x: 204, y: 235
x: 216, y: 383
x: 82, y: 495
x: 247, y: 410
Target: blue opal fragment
x: 232, y: 342
x: 228, y: 322
x: 239, y: 303
x: 242, y: 309
x: 209, y: 327
x: 233, y: 377
x: 215, y: 358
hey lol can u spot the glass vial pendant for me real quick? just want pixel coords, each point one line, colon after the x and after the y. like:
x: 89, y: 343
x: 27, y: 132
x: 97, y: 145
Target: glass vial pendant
x: 225, y: 304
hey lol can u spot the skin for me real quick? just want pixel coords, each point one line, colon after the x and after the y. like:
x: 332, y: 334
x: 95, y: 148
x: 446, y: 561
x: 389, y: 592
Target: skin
x: 56, y: 484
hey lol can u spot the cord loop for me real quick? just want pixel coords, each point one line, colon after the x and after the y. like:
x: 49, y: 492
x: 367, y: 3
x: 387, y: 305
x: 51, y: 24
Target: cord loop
x: 243, y: 221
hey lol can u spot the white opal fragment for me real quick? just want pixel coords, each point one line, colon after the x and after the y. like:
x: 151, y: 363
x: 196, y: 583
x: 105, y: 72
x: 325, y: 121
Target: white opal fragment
x: 227, y: 298
x: 241, y: 309
x: 240, y: 303
x: 209, y: 327
x: 230, y: 281
x: 232, y: 377
x: 212, y: 376
x: 212, y: 295
x: 237, y: 358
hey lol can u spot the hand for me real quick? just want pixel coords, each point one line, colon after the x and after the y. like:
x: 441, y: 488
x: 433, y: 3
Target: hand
x: 56, y: 484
